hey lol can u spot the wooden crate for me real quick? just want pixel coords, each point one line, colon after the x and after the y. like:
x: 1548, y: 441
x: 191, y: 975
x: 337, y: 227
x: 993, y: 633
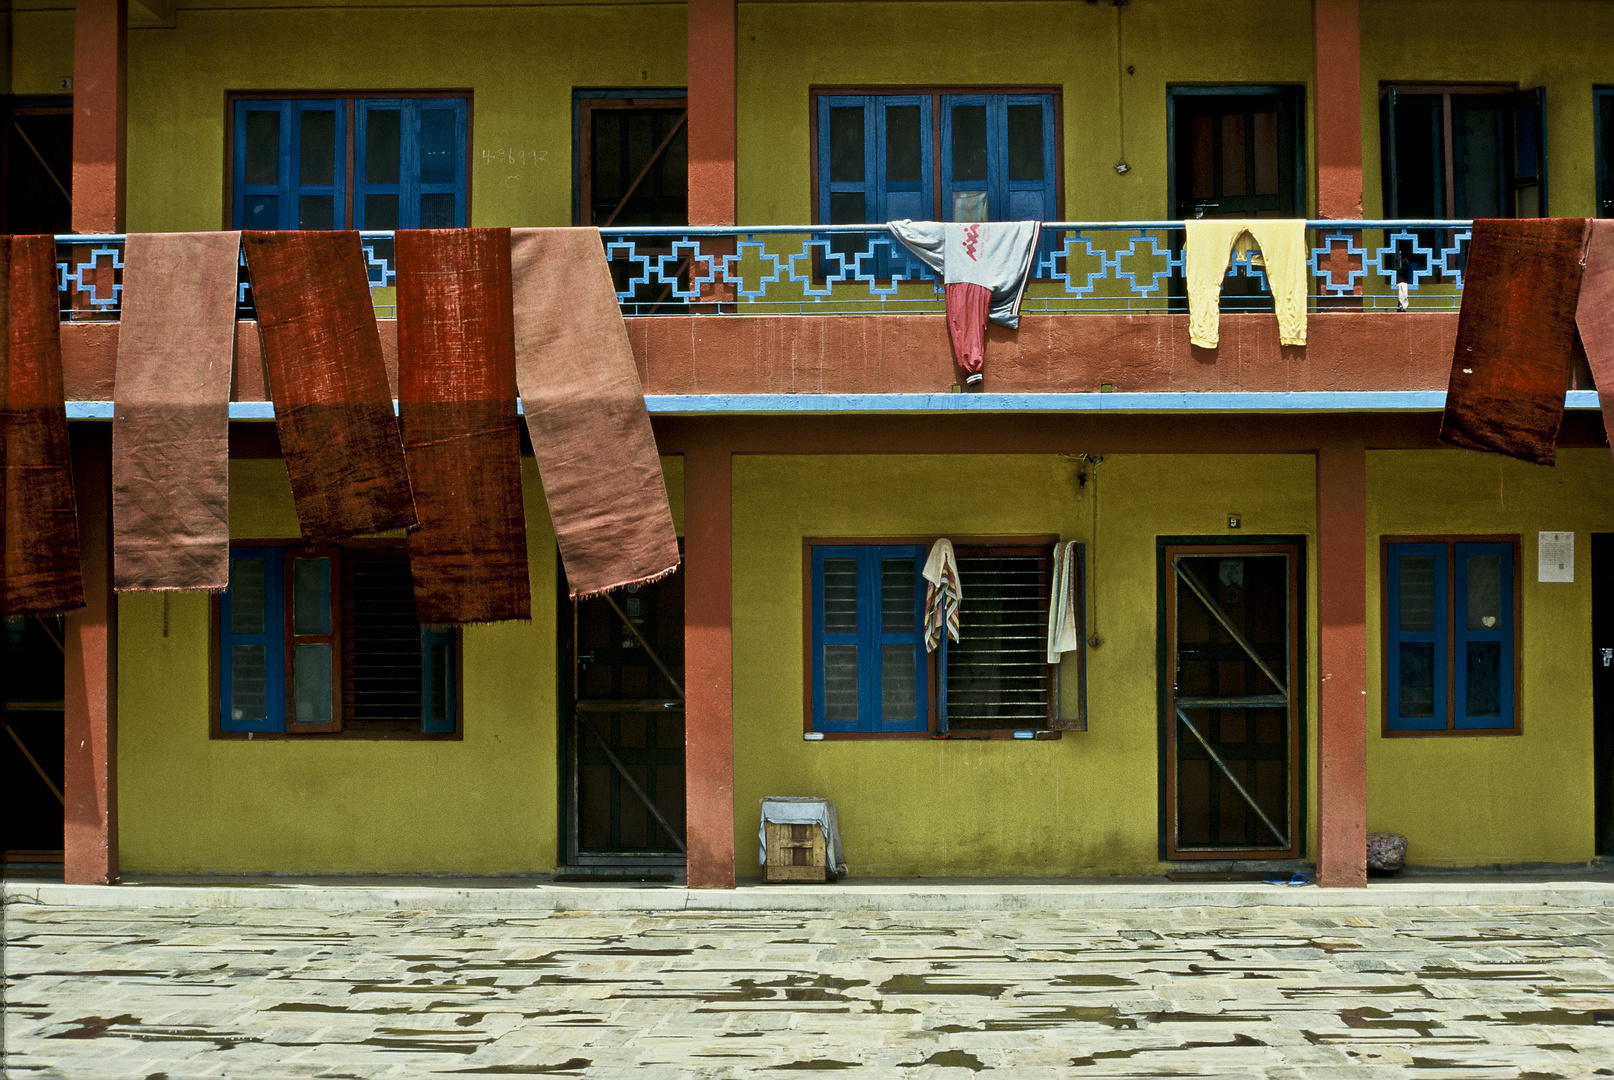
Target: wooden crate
x: 795, y: 853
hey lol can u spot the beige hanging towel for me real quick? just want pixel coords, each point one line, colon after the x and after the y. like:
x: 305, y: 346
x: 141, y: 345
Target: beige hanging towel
x: 1282, y: 242
x: 171, y: 412
x: 586, y: 414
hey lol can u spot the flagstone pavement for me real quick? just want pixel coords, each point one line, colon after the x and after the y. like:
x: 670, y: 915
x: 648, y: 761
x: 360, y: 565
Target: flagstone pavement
x: 1230, y: 992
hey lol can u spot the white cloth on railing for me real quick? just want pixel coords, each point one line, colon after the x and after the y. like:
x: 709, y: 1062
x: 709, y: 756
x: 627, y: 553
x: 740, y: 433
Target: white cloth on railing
x: 1063, y: 615
x: 997, y: 255
x: 943, y: 593
x: 795, y: 810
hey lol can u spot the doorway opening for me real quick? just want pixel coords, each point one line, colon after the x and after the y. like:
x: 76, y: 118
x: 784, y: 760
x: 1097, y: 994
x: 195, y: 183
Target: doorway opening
x: 1232, y: 675
x: 36, y: 165
x: 623, y: 732
x: 31, y: 757
x: 1603, y: 691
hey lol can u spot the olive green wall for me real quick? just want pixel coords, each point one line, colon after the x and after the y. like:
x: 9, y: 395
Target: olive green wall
x: 484, y: 804
x: 41, y: 48
x: 1479, y: 799
x: 1560, y: 44
x: 1085, y: 804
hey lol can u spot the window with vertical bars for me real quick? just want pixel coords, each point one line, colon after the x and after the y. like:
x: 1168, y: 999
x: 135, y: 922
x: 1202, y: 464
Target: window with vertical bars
x: 325, y: 640
x: 870, y: 673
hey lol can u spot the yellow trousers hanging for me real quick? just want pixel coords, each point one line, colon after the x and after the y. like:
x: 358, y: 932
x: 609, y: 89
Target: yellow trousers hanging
x: 1283, y: 252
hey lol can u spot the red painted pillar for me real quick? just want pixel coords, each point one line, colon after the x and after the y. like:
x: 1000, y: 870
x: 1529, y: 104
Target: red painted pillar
x: 1342, y: 665
x: 89, y: 707
x: 90, y: 717
x: 712, y: 199
x: 1337, y: 61
x: 100, y: 45
x: 708, y: 667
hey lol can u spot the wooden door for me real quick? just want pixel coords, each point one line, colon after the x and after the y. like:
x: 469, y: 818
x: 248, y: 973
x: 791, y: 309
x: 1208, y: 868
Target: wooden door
x: 1603, y: 690
x: 625, y: 730
x: 1231, y: 752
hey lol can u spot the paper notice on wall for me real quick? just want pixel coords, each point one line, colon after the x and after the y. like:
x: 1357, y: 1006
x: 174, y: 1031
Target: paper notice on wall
x: 1555, y: 556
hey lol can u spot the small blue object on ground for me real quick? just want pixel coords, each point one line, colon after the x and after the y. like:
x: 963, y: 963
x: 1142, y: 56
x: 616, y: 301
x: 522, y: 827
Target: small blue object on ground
x: 1287, y: 879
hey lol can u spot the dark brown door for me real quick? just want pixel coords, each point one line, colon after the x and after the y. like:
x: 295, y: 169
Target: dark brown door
x: 1603, y: 689
x: 36, y: 165
x: 31, y: 742
x: 625, y: 732
x: 1231, y: 754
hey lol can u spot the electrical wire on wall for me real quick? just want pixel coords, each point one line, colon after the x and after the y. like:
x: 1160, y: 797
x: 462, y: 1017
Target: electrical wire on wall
x: 1121, y: 72
x: 1090, y: 478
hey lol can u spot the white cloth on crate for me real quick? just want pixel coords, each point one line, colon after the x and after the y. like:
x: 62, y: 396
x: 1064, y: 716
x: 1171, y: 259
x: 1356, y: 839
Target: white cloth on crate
x: 796, y: 810
x: 1063, y: 618
x: 943, y: 594
x: 996, y: 255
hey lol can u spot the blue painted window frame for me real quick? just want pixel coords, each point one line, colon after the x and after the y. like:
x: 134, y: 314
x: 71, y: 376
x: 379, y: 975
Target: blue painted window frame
x: 273, y: 639
x: 877, y: 193
x: 275, y: 559
x: 1452, y: 637
x: 869, y: 638
x: 350, y: 148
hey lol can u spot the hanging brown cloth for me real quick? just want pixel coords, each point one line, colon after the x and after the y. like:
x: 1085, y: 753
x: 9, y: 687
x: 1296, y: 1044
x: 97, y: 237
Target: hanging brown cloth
x: 461, y: 435
x: 1594, y: 315
x: 39, y: 550
x: 171, y: 412
x: 1515, y: 337
x: 322, y: 361
x: 586, y: 415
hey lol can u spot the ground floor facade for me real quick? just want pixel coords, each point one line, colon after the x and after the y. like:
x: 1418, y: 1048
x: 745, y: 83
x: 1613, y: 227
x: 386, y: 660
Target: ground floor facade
x: 569, y: 748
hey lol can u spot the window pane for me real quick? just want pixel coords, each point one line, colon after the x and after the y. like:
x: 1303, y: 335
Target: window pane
x: 248, y: 594
x: 263, y: 148
x: 311, y: 596
x: 437, y: 211
x: 1484, y: 674
x: 262, y: 212
x: 249, y: 682
x: 316, y: 212
x: 902, y: 150
x: 840, y: 684
x: 840, y: 596
x: 899, y: 683
x: 312, y: 686
x: 969, y: 206
x: 1266, y: 153
x: 1477, y: 146
x: 437, y: 146
x: 969, y: 143
x: 437, y: 691
x: 846, y: 144
x: 847, y: 208
x: 1420, y: 171
x: 380, y: 212
x: 1417, y: 594
x: 898, y: 587
x: 1417, y: 679
x: 381, y: 147
x: 1025, y: 142
x: 1484, y: 592
x: 317, y: 162
x: 1234, y: 177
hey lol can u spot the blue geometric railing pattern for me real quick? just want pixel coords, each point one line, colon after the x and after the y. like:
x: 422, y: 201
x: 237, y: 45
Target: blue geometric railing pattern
x: 1082, y: 267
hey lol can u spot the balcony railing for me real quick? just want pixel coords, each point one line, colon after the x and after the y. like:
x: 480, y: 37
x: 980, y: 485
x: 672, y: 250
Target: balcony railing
x: 1082, y: 267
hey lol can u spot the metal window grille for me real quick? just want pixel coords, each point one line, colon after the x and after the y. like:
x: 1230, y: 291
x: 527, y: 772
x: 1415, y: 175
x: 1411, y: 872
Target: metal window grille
x: 998, y: 676
x: 381, y: 683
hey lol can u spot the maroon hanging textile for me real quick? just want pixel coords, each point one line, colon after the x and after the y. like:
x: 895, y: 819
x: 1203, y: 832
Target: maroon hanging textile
x: 322, y: 361
x: 1594, y: 316
x: 586, y: 415
x: 461, y: 435
x: 1515, y: 334
x: 38, y: 510
x: 171, y: 414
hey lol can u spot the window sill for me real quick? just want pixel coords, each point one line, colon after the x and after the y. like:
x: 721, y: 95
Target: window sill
x: 1038, y: 735
x: 336, y: 736
x: 1448, y: 733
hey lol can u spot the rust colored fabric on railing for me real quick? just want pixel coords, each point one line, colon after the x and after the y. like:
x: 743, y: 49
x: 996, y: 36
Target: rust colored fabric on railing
x: 39, y: 551
x: 322, y: 361
x: 586, y: 414
x: 1515, y: 337
x: 171, y: 412
x: 1594, y: 315
x: 461, y: 435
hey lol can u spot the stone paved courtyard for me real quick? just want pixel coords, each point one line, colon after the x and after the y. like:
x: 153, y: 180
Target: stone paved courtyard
x: 1254, y: 991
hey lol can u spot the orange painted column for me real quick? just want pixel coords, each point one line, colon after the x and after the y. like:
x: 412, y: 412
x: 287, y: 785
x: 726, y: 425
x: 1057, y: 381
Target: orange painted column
x: 712, y: 109
x: 100, y: 46
x: 89, y: 706
x: 1337, y: 62
x: 708, y: 666
x: 90, y: 718
x: 1342, y: 665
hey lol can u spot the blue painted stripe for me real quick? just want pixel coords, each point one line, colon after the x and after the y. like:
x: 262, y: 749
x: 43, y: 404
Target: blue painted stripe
x: 696, y: 404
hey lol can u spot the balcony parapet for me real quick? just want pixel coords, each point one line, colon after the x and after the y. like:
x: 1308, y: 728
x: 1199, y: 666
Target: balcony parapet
x: 1083, y: 267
